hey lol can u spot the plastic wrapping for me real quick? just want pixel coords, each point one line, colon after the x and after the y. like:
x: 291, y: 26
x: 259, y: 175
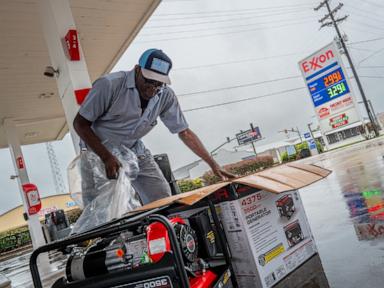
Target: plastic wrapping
x: 74, y: 181
x: 109, y: 199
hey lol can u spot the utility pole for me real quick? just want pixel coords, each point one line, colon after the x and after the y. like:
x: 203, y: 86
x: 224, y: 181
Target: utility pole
x: 253, y: 143
x: 333, y: 22
x: 298, y: 132
x: 293, y: 130
x: 310, y: 130
x: 313, y: 137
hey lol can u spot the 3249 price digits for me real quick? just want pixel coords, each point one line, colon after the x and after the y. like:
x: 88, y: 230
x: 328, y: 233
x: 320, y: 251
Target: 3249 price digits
x: 336, y: 90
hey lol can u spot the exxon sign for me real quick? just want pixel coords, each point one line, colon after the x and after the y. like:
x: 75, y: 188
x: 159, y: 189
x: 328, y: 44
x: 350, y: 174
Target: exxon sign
x: 318, y: 60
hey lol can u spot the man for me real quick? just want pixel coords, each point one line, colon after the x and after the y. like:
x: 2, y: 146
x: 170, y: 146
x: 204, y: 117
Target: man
x: 120, y: 109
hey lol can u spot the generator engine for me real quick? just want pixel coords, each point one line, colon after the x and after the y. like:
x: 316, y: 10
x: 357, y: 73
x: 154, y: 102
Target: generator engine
x: 129, y: 251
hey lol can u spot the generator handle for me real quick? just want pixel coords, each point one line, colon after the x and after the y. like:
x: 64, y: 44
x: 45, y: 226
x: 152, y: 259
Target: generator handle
x: 175, y: 247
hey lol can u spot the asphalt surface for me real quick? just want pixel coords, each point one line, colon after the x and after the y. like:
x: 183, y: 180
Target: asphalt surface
x: 345, y: 212
x: 346, y: 215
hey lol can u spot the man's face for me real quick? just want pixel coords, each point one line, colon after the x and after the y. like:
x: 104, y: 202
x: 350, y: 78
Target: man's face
x: 148, y: 88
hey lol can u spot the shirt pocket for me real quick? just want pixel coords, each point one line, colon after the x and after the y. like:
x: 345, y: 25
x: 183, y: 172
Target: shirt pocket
x: 144, y: 128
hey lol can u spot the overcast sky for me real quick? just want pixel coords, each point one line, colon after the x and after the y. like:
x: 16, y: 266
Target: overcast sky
x: 224, y: 51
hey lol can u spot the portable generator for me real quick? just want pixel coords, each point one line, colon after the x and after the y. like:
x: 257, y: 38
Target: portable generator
x: 293, y: 233
x: 285, y: 206
x: 146, y: 250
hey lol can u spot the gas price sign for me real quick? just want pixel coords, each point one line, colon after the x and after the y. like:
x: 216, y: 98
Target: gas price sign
x: 328, y: 87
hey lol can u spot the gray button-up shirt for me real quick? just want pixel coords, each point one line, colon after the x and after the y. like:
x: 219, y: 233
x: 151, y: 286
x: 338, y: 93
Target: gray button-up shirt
x: 114, y: 108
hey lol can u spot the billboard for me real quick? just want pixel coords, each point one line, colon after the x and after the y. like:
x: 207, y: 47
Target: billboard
x: 248, y: 136
x: 329, y: 88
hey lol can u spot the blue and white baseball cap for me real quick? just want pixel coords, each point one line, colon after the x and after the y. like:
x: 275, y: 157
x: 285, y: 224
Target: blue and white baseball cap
x: 155, y: 65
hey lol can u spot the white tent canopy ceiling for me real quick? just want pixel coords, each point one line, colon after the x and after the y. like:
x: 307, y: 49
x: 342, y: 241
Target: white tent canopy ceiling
x: 105, y: 28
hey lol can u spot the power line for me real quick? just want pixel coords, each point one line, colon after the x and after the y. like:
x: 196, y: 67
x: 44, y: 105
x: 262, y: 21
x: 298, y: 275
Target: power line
x: 373, y: 67
x: 236, y: 10
x: 223, y: 20
x: 223, y: 27
x: 356, y: 27
x: 373, y: 77
x: 369, y: 13
x: 153, y: 19
x: 235, y: 61
x: 223, y: 33
x: 243, y: 100
x: 256, y: 97
x: 365, y: 41
x: 359, y: 13
x: 368, y: 25
x: 239, y: 86
x: 374, y: 4
x: 371, y: 55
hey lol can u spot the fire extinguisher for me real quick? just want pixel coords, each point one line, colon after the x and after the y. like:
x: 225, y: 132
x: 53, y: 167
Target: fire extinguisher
x: 33, y: 198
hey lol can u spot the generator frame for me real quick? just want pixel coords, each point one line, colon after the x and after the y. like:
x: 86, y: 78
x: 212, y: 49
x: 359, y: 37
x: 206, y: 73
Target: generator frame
x: 130, y: 221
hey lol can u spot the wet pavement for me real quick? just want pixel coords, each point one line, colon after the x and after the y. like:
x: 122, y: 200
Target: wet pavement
x: 346, y: 215
x: 345, y: 212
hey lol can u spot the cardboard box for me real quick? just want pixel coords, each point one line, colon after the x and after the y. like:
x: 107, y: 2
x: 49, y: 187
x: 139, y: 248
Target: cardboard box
x: 263, y: 218
x: 268, y: 234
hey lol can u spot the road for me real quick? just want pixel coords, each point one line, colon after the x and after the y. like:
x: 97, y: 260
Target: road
x: 346, y: 215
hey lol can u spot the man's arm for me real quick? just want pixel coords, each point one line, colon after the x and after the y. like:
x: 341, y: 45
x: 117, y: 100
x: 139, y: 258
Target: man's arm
x: 83, y: 129
x: 193, y: 142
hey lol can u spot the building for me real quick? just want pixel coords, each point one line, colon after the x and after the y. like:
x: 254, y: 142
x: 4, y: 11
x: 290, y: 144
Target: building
x: 14, y: 218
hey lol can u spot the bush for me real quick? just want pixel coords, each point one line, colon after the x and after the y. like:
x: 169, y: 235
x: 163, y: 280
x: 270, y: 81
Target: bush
x: 73, y: 215
x: 14, y: 238
x: 189, y: 184
x: 241, y: 168
x: 319, y: 146
x: 301, y: 146
x: 286, y: 158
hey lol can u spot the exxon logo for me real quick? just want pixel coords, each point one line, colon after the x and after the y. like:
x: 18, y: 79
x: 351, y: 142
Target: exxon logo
x: 317, y: 62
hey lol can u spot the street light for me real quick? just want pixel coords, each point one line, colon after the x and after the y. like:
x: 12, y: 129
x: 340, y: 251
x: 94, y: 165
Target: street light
x: 228, y: 140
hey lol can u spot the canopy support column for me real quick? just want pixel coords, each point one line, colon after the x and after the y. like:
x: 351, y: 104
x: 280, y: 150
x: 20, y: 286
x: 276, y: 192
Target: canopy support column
x: 22, y: 178
x: 57, y: 20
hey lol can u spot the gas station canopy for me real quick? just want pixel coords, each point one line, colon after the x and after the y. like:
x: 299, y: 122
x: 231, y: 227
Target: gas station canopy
x: 105, y: 27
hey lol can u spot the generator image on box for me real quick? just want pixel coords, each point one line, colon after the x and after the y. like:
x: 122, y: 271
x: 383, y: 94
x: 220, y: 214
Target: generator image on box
x: 286, y: 206
x: 293, y: 233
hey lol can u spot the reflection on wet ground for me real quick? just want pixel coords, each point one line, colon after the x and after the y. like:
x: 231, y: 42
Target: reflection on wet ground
x: 346, y: 215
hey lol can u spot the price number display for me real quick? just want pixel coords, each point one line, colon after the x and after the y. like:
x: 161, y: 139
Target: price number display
x: 333, y: 78
x: 328, y: 87
x: 337, y: 83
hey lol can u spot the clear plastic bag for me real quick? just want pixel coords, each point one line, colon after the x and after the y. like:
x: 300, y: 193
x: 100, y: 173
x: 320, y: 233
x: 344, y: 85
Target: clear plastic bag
x: 108, y: 199
x: 74, y: 181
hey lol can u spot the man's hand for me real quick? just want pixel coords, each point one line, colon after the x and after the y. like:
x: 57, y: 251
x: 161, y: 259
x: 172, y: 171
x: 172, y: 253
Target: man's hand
x: 83, y: 129
x: 222, y: 174
x: 193, y: 142
x: 112, y: 167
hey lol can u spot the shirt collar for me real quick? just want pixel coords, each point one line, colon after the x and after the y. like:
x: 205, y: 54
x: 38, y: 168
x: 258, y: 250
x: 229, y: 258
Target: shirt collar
x: 130, y: 82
